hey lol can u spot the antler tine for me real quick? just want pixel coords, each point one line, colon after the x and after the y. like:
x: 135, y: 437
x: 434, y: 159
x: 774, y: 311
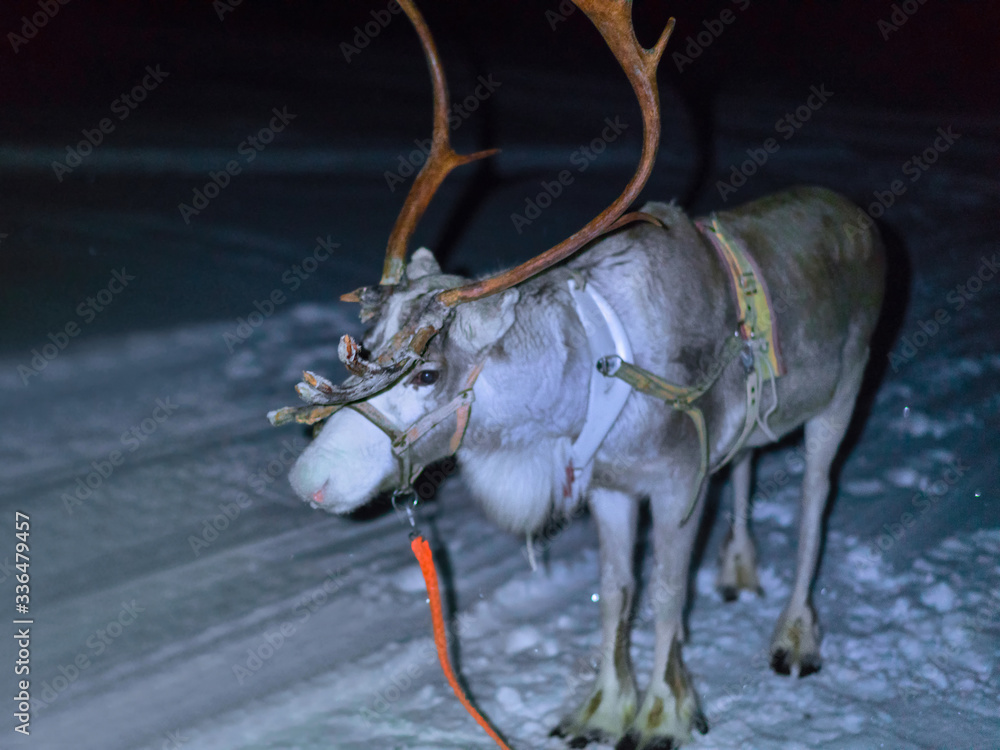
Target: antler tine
x: 440, y: 162
x: 613, y: 18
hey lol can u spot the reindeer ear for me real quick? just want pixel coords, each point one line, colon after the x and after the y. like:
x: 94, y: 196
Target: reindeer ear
x: 481, y: 323
x: 422, y: 264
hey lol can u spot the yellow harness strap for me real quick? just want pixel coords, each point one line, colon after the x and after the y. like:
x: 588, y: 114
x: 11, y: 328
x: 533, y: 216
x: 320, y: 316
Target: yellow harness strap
x: 750, y: 289
x: 756, y: 326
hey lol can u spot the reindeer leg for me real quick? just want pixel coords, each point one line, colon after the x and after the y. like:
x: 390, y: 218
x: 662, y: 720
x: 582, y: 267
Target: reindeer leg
x: 610, y: 708
x: 670, y: 708
x: 795, y: 644
x: 738, y: 557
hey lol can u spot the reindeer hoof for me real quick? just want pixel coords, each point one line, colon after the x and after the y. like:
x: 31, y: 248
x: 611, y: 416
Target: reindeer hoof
x: 795, y: 646
x: 781, y: 662
x: 628, y: 742
x: 669, y: 712
x: 810, y: 664
x: 737, y: 569
x: 631, y: 742
x: 700, y: 722
x: 578, y: 740
x: 602, y: 718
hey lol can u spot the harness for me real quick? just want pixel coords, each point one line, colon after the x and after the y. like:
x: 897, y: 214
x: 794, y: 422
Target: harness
x: 754, y: 341
x: 606, y: 397
x: 402, y: 439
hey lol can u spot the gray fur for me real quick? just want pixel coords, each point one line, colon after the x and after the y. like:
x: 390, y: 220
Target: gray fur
x: 672, y: 293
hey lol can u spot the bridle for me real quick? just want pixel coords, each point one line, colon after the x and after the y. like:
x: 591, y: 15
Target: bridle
x: 401, y: 439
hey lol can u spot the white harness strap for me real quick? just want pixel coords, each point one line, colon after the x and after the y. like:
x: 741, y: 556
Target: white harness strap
x: 605, y: 335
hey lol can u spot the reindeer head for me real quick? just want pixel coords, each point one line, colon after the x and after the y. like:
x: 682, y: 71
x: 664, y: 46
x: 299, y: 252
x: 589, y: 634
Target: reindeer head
x: 383, y: 441
x: 410, y: 386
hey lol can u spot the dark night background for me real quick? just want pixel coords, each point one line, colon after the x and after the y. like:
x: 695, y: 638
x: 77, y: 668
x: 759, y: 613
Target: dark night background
x: 225, y: 74
x: 947, y: 57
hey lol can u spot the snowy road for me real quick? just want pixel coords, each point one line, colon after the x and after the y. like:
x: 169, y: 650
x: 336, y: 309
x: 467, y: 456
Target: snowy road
x: 183, y: 598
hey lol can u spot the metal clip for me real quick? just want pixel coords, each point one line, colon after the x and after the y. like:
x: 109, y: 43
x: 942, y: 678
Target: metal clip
x: 747, y: 358
x: 409, y: 506
x: 609, y: 365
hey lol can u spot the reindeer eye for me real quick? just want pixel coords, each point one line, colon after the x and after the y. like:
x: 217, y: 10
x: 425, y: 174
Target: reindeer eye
x: 426, y: 377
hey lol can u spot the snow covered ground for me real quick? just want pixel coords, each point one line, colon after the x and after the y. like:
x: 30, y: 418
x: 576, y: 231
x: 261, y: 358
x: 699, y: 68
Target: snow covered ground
x: 182, y: 597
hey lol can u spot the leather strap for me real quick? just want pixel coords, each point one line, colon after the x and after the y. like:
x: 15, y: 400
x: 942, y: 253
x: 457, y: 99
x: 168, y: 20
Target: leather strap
x: 402, y: 439
x: 755, y: 340
x: 678, y: 397
x: 750, y: 290
x: 606, y: 336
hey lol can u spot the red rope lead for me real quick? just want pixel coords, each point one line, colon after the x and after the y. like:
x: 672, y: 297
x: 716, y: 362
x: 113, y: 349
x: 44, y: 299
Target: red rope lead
x: 422, y: 550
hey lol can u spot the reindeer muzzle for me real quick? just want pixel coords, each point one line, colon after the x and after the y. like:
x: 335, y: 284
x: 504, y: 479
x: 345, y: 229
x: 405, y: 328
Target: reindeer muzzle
x: 401, y: 439
x: 372, y: 374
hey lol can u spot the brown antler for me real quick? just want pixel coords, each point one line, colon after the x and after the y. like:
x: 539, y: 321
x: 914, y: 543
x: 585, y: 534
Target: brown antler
x: 613, y: 18
x: 372, y: 373
x: 440, y: 162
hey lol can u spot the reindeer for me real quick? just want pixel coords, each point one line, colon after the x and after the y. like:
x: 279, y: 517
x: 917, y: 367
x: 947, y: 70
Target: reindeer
x: 540, y: 379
